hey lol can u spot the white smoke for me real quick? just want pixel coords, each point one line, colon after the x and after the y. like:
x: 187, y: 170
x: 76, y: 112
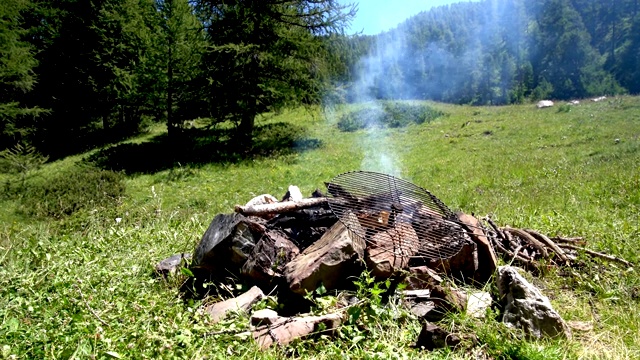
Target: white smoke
x: 373, y: 71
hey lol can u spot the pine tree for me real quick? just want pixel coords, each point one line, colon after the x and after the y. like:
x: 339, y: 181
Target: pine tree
x: 182, y: 47
x: 127, y: 62
x: 266, y: 54
x: 16, y: 74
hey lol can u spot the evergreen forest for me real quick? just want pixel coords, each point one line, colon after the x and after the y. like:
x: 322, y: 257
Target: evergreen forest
x: 75, y: 74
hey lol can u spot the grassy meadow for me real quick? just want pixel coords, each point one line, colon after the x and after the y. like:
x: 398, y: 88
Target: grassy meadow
x: 81, y: 285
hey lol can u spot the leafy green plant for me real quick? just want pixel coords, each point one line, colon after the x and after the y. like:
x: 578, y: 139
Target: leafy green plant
x: 388, y: 114
x: 80, y: 188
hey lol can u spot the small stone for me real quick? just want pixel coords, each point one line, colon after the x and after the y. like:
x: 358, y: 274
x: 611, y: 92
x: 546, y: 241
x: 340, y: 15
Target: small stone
x: 171, y: 264
x: 433, y: 337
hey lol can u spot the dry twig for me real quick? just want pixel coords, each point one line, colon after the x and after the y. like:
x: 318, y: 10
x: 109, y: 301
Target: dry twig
x: 598, y: 254
x: 544, y: 239
x: 527, y: 237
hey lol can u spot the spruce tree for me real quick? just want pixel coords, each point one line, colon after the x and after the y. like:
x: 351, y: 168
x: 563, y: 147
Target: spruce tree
x: 16, y: 74
x: 266, y: 54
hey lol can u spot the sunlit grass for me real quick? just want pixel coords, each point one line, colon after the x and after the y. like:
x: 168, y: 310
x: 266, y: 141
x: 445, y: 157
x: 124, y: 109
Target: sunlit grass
x: 83, y: 286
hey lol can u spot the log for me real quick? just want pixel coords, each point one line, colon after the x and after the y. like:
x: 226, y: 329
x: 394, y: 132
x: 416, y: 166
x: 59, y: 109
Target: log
x: 281, y: 207
x: 598, y: 254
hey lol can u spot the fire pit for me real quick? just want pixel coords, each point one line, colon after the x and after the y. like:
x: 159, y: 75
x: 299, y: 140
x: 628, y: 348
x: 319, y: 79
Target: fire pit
x: 395, y: 218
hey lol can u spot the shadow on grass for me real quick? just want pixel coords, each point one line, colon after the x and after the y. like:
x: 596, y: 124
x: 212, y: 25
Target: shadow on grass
x: 202, y: 146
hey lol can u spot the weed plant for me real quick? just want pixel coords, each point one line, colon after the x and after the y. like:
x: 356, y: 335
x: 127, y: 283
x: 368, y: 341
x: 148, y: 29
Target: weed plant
x: 388, y: 114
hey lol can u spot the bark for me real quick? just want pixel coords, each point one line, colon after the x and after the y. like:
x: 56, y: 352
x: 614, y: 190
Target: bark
x: 245, y: 131
x: 281, y: 207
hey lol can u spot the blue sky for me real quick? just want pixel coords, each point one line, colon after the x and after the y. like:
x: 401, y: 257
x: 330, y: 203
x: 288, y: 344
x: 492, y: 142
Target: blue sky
x: 376, y: 16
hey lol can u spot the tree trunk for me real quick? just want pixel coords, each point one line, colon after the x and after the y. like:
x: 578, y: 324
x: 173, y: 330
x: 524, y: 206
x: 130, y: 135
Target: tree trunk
x: 172, y: 126
x: 245, y: 131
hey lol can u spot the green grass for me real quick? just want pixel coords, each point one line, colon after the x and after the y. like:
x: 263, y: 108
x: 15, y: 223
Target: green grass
x: 82, y: 286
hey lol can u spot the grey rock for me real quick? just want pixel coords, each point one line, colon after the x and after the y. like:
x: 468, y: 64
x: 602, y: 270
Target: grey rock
x: 170, y: 265
x: 526, y: 308
x: 226, y: 244
x: 433, y: 337
x: 267, y: 261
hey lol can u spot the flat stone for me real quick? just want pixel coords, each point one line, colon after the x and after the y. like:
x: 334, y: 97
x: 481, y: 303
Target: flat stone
x: 526, y: 308
x: 220, y: 310
x: 421, y: 309
x: 286, y: 329
x: 477, y: 304
x: 329, y: 261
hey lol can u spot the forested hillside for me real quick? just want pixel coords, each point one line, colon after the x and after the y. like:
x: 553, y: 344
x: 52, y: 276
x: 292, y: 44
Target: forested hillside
x: 507, y: 51
x: 75, y: 74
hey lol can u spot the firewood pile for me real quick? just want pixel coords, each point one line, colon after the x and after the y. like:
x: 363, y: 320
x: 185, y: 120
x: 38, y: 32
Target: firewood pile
x: 528, y: 247
x: 393, y: 229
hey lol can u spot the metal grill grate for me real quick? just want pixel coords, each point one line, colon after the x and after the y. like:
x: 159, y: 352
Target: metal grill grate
x: 395, y: 215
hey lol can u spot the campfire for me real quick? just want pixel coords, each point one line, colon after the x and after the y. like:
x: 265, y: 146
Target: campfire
x: 367, y: 221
